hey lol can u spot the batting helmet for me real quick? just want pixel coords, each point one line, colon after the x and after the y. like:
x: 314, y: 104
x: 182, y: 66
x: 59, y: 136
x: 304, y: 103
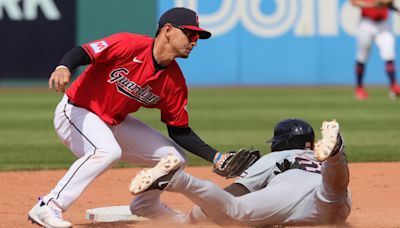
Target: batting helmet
x: 292, y: 134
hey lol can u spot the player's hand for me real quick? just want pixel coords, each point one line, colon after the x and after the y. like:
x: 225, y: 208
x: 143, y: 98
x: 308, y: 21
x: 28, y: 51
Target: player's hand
x: 60, y: 78
x: 234, y: 163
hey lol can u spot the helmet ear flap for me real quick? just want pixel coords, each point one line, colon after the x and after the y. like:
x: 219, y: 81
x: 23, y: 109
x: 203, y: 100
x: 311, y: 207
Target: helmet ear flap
x: 309, y: 145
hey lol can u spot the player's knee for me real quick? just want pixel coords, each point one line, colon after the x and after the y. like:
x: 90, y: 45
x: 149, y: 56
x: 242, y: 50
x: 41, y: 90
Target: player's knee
x: 110, y: 156
x: 182, y: 157
x: 163, y: 151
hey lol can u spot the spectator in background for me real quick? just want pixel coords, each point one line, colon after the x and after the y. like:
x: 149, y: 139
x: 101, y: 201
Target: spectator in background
x: 374, y: 26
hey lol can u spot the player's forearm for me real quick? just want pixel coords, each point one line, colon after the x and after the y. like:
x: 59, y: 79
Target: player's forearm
x: 189, y: 140
x: 75, y: 57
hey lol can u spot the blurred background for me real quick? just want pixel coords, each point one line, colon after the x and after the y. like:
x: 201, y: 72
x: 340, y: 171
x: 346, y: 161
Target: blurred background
x: 255, y: 42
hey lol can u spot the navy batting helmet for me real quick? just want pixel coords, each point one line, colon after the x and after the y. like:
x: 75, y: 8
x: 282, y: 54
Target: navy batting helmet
x: 292, y: 134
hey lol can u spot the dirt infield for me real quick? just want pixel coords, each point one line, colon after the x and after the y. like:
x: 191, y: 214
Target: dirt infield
x: 375, y: 191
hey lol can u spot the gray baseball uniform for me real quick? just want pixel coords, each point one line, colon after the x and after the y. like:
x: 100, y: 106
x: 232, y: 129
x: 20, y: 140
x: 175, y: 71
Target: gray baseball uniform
x: 309, y: 192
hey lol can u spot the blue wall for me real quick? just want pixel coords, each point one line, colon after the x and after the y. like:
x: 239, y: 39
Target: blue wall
x: 272, y: 42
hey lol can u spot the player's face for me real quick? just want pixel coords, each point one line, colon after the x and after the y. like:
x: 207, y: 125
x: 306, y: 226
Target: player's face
x: 183, y: 40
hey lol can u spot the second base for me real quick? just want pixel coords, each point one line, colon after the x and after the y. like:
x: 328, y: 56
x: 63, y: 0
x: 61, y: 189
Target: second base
x: 113, y: 214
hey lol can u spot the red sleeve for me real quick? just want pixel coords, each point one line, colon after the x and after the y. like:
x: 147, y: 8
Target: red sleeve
x: 174, y: 111
x: 108, y: 48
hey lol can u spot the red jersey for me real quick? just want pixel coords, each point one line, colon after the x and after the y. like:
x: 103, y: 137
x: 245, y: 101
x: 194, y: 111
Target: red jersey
x: 122, y: 78
x: 376, y: 13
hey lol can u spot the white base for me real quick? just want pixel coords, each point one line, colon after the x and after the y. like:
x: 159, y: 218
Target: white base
x: 113, y: 214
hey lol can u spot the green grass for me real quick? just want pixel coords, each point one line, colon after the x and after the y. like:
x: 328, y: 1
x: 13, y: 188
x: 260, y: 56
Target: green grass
x: 226, y: 118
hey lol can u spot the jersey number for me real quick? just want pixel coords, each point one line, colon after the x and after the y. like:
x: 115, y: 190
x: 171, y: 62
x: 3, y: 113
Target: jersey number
x: 307, y: 165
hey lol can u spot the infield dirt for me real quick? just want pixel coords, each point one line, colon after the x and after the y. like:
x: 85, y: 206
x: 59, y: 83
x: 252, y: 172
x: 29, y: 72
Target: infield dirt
x: 375, y: 191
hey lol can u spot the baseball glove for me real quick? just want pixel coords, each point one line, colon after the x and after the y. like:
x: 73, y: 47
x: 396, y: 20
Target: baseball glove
x: 235, y: 162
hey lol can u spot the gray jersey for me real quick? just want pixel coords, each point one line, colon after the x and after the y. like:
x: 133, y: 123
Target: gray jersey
x: 301, y: 181
x: 262, y: 172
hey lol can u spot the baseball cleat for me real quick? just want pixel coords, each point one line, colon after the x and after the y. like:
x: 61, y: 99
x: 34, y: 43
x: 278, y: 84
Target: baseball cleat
x: 157, y: 177
x: 361, y: 93
x: 394, y: 92
x: 46, y: 216
x: 331, y: 141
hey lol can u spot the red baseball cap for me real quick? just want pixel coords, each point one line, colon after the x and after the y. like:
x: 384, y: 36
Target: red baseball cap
x: 184, y: 18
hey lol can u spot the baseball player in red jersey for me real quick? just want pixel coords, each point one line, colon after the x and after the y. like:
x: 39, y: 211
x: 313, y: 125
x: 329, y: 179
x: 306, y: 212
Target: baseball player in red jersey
x: 374, y: 26
x: 126, y: 72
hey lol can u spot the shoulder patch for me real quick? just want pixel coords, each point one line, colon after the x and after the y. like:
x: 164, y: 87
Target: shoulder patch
x: 98, y: 46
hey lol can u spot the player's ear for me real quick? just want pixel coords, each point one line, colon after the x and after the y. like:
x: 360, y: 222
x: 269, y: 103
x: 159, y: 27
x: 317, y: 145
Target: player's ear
x: 167, y: 30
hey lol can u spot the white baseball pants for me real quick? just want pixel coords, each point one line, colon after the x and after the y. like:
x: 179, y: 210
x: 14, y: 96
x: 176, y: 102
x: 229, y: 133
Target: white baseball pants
x: 100, y: 146
x: 370, y: 31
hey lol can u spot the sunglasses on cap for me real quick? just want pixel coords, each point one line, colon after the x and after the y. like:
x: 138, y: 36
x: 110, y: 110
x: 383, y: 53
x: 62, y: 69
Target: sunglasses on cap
x: 193, y: 36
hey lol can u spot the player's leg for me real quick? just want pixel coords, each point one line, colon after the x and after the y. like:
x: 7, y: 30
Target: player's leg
x: 333, y: 195
x: 92, y: 141
x: 386, y: 42
x: 144, y: 145
x: 278, y: 203
x: 365, y: 36
x: 275, y: 204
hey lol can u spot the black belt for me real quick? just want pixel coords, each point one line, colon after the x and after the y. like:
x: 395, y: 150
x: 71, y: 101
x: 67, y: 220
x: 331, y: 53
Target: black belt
x: 71, y: 103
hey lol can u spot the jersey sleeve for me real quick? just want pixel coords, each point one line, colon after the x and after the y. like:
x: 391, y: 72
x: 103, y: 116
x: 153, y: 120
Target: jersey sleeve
x: 174, y: 111
x: 109, y: 48
x: 260, y: 173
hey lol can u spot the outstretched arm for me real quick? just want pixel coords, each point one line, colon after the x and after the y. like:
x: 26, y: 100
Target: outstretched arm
x: 228, y: 165
x: 189, y: 140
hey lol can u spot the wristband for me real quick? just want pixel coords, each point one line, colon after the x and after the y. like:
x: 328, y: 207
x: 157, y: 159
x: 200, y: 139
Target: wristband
x: 218, y: 157
x: 62, y: 66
